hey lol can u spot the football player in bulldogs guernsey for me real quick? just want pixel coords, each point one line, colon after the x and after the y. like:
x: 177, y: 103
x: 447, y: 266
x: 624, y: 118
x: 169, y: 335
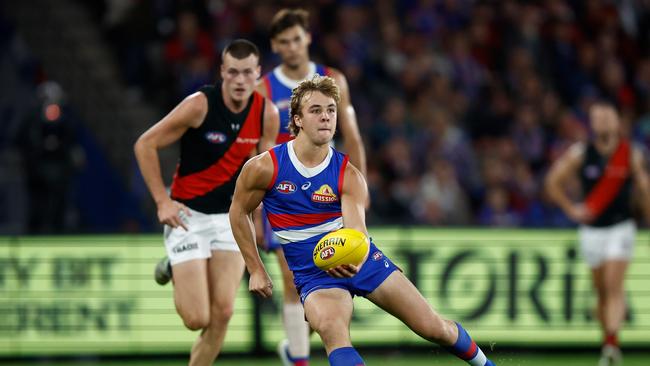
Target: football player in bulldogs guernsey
x: 290, y: 40
x: 310, y: 189
x: 219, y: 128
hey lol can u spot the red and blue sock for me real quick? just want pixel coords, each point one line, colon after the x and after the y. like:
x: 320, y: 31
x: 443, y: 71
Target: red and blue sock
x: 345, y: 356
x: 611, y: 339
x: 466, y: 349
x: 296, y: 361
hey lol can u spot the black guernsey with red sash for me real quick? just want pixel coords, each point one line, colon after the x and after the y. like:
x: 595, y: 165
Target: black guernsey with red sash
x: 607, y: 183
x: 212, y: 155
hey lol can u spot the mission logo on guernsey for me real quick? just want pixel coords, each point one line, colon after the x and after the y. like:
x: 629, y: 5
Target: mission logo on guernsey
x: 324, y: 194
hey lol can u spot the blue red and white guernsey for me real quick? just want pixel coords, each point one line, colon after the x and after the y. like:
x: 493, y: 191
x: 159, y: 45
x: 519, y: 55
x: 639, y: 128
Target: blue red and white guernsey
x: 278, y: 89
x: 303, y: 204
x: 213, y: 154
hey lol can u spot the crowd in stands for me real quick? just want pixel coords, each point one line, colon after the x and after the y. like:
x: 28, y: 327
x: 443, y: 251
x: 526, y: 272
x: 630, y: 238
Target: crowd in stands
x: 462, y: 104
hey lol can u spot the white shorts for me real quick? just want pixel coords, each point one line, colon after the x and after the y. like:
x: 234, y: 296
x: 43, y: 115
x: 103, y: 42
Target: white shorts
x: 205, y: 234
x: 600, y: 244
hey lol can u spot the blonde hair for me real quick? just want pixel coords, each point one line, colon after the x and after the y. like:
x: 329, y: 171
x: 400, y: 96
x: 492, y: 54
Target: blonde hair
x: 322, y: 84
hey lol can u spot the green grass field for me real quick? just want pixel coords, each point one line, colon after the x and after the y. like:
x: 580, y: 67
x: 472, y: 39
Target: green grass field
x: 393, y: 359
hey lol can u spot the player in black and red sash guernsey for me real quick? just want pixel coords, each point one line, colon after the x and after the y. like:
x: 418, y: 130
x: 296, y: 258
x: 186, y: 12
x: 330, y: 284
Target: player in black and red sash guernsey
x: 608, y: 167
x: 219, y: 128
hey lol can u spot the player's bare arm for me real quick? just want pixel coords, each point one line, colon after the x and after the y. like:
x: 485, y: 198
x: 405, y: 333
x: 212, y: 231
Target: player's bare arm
x: 347, y: 121
x: 271, y: 126
x: 353, y: 209
x: 249, y: 192
x: 190, y: 113
x: 641, y: 182
x: 563, y: 169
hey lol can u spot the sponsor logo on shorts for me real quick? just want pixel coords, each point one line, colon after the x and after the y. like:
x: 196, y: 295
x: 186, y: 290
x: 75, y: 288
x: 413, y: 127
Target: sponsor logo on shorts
x: 324, y: 194
x: 327, y: 253
x: 377, y: 255
x: 215, y: 137
x: 286, y: 187
x: 185, y: 247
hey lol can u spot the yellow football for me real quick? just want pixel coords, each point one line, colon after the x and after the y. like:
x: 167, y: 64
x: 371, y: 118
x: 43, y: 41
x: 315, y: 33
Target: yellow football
x: 343, y: 246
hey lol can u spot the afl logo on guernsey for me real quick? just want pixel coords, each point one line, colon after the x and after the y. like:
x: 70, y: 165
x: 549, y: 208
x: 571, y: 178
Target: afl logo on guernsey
x: 286, y: 187
x: 592, y: 171
x: 324, y: 194
x: 215, y: 137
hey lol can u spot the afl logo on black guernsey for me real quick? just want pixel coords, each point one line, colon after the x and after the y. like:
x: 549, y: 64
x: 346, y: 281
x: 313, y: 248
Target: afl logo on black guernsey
x: 215, y: 137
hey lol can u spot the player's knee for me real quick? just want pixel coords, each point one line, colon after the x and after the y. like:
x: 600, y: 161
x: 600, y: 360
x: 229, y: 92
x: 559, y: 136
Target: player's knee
x: 222, y: 313
x: 196, y: 321
x: 327, y: 324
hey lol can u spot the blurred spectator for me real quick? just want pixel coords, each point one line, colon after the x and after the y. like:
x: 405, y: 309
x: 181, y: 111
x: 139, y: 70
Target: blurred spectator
x: 131, y: 26
x: 503, y: 86
x: 189, y: 55
x: 51, y: 156
x: 441, y: 200
x: 394, y: 123
x: 496, y: 210
x: 529, y: 135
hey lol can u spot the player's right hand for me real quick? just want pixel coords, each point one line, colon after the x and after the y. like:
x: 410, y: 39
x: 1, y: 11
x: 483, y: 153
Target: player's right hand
x: 343, y: 271
x: 172, y: 213
x: 580, y: 214
x: 260, y: 284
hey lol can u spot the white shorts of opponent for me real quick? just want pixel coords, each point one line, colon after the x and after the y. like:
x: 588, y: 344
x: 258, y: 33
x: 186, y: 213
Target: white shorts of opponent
x: 600, y: 244
x: 204, y: 234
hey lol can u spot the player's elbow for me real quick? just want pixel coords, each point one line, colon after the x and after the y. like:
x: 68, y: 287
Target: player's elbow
x: 141, y: 144
x: 235, y: 213
x: 138, y: 145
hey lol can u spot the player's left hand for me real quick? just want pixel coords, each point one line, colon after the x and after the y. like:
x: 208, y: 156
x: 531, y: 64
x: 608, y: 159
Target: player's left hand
x: 343, y: 271
x: 260, y: 284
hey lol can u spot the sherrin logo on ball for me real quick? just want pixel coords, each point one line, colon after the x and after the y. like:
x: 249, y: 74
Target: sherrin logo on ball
x: 343, y: 246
